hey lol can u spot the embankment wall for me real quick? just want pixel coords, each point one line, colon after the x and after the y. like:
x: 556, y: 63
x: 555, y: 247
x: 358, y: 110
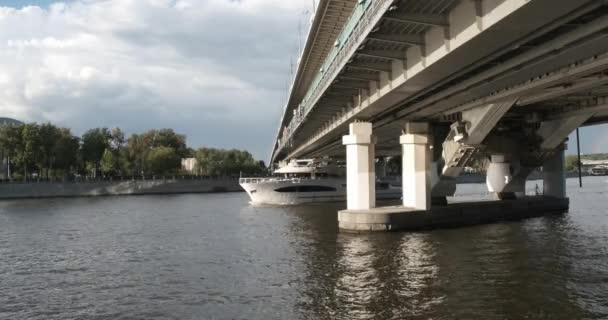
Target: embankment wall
x: 115, y: 188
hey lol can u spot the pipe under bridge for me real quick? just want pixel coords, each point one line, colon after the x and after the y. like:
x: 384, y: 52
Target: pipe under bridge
x: 447, y: 84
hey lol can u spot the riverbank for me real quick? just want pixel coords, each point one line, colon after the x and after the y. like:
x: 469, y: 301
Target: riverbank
x: 33, y: 190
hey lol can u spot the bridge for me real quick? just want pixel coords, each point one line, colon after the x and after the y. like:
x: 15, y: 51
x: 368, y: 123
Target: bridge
x: 447, y: 84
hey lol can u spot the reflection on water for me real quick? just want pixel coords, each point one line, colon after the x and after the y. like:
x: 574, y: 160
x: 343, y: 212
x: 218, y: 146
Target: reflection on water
x: 358, y: 284
x: 217, y: 257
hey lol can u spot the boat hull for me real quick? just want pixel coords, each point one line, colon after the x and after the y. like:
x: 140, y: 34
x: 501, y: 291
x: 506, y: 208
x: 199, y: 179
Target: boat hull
x: 298, y: 191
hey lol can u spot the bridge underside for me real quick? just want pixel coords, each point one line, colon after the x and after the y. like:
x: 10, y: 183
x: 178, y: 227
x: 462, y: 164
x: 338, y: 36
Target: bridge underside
x: 444, y: 61
x: 447, y: 84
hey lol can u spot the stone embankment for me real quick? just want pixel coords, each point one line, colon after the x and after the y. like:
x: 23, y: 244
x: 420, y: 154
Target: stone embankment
x: 17, y: 190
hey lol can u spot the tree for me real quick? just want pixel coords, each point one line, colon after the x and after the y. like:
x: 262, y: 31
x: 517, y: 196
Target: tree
x: 49, y: 135
x: 10, y: 143
x: 31, y: 152
x: 572, y: 163
x: 108, y: 162
x: 163, y: 160
x: 166, y: 138
x: 136, y: 154
x: 117, y: 145
x: 117, y: 141
x: 214, y: 162
x: 208, y: 161
x: 94, y: 144
x: 66, y: 150
x: 126, y: 164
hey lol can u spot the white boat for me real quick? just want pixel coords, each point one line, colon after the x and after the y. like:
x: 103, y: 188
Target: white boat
x: 308, y: 181
x: 599, y: 171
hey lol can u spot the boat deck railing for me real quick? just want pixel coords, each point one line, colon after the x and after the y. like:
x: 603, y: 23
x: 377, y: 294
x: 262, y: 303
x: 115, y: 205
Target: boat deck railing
x: 279, y: 179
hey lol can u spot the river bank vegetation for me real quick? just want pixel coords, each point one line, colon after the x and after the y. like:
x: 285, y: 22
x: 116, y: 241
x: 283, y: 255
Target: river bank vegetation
x: 572, y: 160
x: 46, y: 151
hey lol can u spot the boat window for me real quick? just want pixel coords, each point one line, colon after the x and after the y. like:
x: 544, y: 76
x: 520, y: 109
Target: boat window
x: 315, y: 189
x: 306, y: 189
x: 287, y: 189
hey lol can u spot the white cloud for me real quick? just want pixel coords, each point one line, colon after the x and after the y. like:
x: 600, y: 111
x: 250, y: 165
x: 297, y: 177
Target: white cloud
x: 213, y: 69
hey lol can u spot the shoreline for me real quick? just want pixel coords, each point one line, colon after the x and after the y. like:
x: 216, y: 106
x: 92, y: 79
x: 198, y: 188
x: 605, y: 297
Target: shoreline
x: 50, y: 190
x: 88, y: 189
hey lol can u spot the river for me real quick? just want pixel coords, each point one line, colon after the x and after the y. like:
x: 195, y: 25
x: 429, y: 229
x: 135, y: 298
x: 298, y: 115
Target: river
x: 217, y: 257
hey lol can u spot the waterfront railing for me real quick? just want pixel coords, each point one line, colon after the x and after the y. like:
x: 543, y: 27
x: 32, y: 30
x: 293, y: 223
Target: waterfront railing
x: 86, y: 179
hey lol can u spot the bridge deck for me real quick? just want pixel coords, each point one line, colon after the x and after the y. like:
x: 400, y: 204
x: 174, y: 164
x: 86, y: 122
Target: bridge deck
x: 432, y: 59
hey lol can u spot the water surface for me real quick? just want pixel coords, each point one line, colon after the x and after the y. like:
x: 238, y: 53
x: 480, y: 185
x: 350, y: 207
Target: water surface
x: 217, y: 257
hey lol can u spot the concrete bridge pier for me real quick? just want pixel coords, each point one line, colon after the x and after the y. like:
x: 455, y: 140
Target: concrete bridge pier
x: 554, y: 175
x: 416, y: 166
x: 360, y: 167
x: 505, y: 177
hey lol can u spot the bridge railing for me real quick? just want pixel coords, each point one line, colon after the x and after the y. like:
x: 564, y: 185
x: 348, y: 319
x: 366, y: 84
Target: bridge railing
x: 348, y: 38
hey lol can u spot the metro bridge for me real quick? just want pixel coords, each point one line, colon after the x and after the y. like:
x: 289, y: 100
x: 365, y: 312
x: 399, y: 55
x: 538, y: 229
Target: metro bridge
x: 447, y: 83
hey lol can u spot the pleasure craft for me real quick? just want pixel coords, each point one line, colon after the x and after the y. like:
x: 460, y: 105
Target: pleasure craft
x: 308, y: 181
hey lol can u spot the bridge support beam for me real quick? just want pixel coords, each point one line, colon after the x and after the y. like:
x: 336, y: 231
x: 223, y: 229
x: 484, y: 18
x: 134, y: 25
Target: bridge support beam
x: 360, y: 167
x: 442, y: 186
x: 464, y: 140
x: 554, y: 177
x: 416, y: 166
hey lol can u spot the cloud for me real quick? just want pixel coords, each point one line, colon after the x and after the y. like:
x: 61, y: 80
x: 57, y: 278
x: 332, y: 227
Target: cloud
x: 213, y: 69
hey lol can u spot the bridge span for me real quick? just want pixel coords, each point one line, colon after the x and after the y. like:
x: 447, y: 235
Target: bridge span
x: 447, y: 83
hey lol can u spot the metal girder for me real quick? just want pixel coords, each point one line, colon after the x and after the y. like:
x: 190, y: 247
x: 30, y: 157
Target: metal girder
x: 579, y: 85
x: 591, y: 106
x: 419, y: 18
x: 564, y: 75
x: 351, y: 85
x: 379, y: 67
x: 383, y: 54
x: 406, y: 39
x: 333, y: 102
x: 337, y: 94
x: 465, y: 136
x: 359, y: 76
x: 342, y: 90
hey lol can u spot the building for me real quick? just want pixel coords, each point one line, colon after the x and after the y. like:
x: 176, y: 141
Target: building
x: 189, y: 165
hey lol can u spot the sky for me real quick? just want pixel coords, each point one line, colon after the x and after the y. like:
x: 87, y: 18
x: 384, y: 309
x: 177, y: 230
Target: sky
x: 215, y: 70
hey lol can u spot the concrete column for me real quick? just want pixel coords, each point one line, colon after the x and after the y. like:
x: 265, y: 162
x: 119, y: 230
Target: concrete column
x: 499, y: 176
x: 360, y: 167
x: 416, y: 166
x: 554, y: 175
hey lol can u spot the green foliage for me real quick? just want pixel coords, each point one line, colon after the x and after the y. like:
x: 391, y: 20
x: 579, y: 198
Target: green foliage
x: 65, y: 150
x: 10, y: 143
x: 109, y: 163
x: 216, y: 162
x: 47, y: 149
x: 31, y: 153
x: 596, y: 156
x: 571, y: 163
x: 94, y: 143
x: 572, y: 160
x: 163, y: 160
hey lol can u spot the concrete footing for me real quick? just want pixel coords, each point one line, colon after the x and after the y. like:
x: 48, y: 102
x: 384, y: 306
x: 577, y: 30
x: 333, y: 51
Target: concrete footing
x: 452, y: 215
